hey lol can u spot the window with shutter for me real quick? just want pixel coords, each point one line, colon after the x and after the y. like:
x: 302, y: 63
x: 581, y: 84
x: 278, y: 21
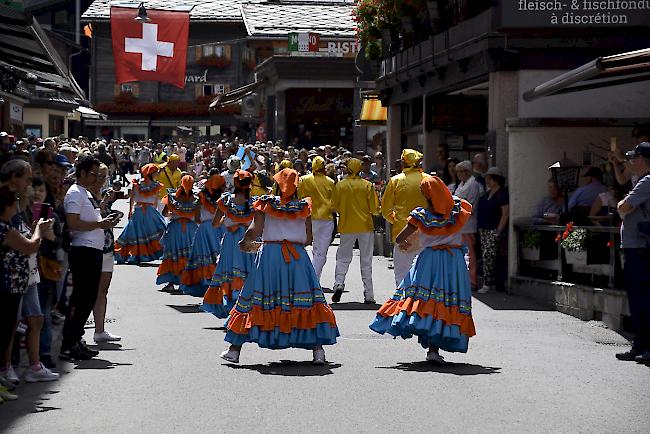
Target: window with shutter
x: 208, y: 50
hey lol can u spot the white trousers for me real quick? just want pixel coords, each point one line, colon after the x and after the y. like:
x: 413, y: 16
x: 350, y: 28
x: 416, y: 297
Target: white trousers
x: 402, y: 262
x: 322, y: 233
x: 344, y: 258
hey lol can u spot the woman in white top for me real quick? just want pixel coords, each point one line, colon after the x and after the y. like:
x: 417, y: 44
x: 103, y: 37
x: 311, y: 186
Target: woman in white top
x: 471, y: 190
x: 86, y: 227
x: 140, y: 240
x: 434, y: 300
x: 282, y: 304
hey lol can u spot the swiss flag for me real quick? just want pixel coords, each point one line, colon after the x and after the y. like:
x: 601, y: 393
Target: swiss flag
x: 150, y: 51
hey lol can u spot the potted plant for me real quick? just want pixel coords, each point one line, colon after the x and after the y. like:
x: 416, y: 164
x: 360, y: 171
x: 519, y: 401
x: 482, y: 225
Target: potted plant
x: 574, y: 244
x: 531, y: 241
x: 375, y: 20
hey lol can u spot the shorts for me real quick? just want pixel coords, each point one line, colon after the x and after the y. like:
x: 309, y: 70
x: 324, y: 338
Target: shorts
x: 108, y: 262
x: 30, y: 304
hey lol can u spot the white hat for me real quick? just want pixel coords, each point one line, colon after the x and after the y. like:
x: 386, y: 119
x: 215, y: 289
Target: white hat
x: 233, y: 163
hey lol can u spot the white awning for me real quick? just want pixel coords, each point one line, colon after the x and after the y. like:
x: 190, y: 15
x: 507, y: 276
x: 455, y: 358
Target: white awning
x: 88, y: 113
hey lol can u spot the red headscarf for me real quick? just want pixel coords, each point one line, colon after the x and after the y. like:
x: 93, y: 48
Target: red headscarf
x: 215, y: 182
x: 187, y: 182
x: 438, y: 194
x: 287, y: 180
x: 240, y: 179
x: 148, y: 170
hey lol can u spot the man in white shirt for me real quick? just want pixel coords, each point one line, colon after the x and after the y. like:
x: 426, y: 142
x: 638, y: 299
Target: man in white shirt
x: 86, y: 228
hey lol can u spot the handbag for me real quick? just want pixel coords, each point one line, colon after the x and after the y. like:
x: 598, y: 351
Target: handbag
x: 49, y: 269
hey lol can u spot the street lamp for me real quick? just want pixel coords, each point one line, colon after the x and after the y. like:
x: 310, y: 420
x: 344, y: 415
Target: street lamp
x: 566, y: 174
x: 142, y: 14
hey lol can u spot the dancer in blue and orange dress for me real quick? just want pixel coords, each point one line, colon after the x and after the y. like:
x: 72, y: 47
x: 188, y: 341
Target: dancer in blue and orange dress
x: 234, y: 213
x: 140, y: 239
x: 434, y: 300
x: 182, y: 208
x: 206, y: 246
x: 282, y: 304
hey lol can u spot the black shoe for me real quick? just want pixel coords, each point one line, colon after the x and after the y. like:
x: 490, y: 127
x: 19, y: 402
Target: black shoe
x: 82, y: 345
x: 338, y: 292
x: 74, y: 353
x: 628, y: 356
x: 48, y: 362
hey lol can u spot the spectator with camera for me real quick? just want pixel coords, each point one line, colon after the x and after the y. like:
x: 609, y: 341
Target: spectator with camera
x: 634, y: 209
x: 86, y: 226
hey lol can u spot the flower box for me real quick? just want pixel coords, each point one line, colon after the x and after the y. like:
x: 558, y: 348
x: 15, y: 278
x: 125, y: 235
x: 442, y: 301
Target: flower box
x: 575, y: 257
x: 531, y: 254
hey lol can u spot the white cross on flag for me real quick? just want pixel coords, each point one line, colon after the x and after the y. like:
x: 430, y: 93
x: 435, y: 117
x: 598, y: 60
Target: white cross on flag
x: 150, y: 51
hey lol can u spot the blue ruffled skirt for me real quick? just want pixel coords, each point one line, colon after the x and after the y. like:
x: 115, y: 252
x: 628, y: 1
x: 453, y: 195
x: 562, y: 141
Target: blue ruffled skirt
x: 433, y: 302
x: 202, y: 262
x: 140, y: 238
x: 177, y: 244
x: 282, y: 304
x: 228, y: 279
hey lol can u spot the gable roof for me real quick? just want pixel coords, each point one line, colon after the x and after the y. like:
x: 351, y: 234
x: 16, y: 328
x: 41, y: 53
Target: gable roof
x: 204, y: 10
x: 279, y: 17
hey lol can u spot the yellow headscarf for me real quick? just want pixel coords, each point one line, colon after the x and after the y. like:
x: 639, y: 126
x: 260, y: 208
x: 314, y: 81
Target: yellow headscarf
x: 354, y: 165
x: 318, y: 165
x: 286, y: 164
x: 411, y: 157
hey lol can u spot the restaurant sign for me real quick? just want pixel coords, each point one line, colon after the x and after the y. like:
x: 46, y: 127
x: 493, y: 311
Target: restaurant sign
x: 574, y: 13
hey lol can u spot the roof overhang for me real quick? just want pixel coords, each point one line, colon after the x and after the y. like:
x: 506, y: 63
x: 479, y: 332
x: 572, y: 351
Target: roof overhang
x: 235, y: 95
x: 89, y: 113
x: 618, y: 69
x: 27, y: 54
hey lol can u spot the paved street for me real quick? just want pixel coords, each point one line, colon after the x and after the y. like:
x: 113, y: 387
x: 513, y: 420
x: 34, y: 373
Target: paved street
x: 529, y: 369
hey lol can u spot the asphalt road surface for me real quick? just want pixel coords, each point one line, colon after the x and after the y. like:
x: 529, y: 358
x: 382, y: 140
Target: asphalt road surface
x: 529, y: 369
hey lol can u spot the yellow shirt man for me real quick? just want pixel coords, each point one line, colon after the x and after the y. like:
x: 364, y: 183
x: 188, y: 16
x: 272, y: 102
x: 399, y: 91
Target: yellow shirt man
x: 403, y: 195
x: 170, y: 175
x: 356, y: 202
x: 320, y: 188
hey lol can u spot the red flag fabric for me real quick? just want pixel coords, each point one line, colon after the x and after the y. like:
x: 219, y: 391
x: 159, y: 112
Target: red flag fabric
x: 150, y: 51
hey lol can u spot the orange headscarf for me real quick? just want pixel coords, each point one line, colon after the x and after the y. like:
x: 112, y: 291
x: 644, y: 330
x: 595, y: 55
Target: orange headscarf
x: 148, y: 170
x: 287, y: 180
x: 240, y: 176
x: 438, y: 194
x: 215, y: 182
x: 187, y: 182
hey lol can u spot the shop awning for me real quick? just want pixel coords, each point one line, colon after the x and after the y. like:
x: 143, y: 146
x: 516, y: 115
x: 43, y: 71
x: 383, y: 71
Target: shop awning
x: 88, y: 113
x: 27, y: 54
x: 618, y: 69
x: 372, y: 113
x: 235, y: 95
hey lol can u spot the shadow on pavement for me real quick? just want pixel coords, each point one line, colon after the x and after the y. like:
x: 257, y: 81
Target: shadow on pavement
x: 110, y: 346
x: 32, y: 398
x: 289, y: 368
x: 223, y: 329
x: 98, y: 364
x: 186, y: 308
x: 503, y: 301
x: 354, y: 305
x: 448, y: 368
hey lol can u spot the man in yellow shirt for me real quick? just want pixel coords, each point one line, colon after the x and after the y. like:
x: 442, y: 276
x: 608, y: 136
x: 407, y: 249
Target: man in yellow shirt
x: 356, y: 202
x: 403, y: 195
x: 170, y: 175
x: 320, y: 188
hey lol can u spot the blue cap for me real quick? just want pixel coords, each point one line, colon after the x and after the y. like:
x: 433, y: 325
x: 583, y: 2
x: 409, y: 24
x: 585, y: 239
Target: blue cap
x: 62, y: 160
x: 642, y: 149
